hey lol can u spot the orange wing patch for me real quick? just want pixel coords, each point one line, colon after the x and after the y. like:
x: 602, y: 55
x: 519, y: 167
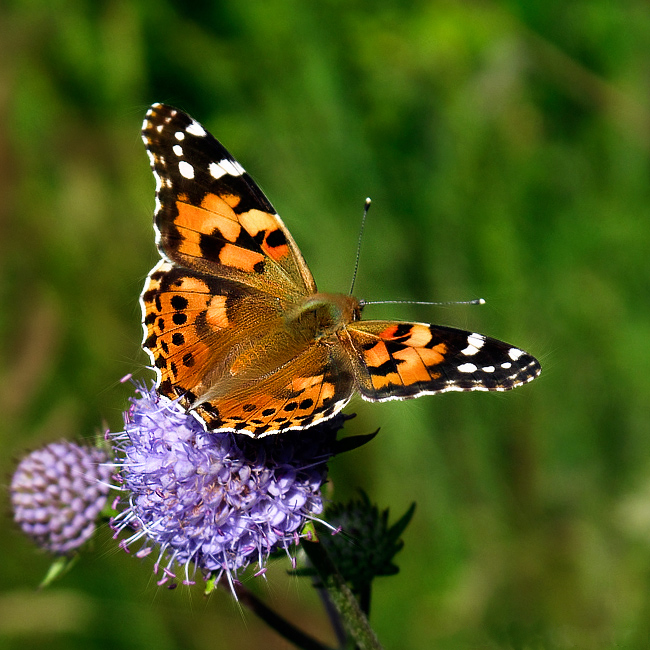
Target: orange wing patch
x: 286, y: 399
x: 214, y: 214
x: 216, y: 218
x: 172, y: 305
x: 413, y: 367
x: 274, y: 243
x: 239, y: 258
x: 217, y: 315
x: 397, y: 360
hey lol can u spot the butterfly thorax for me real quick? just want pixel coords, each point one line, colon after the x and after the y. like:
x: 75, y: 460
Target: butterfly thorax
x: 321, y: 315
x: 313, y: 320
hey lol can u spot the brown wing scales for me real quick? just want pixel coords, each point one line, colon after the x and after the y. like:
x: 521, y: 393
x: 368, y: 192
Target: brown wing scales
x: 194, y: 326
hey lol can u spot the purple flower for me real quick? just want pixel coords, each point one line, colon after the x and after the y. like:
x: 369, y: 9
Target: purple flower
x: 219, y: 501
x: 57, y: 493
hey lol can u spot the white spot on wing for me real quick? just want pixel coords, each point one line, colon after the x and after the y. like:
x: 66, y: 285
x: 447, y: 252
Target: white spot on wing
x: 179, y: 135
x: 178, y: 150
x: 515, y: 353
x: 186, y: 169
x: 474, y: 343
x: 506, y: 365
x: 467, y: 367
x: 196, y: 129
x: 216, y: 171
x: 488, y: 369
x: 232, y: 167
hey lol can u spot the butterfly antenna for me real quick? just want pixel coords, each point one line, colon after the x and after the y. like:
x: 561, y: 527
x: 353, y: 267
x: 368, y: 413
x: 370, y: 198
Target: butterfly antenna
x: 366, y: 207
x: 476, y: 301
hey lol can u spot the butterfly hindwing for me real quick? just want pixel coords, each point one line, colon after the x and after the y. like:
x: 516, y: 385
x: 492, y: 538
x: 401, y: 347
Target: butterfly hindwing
x: 313, y: 386
x: 400, y: 360
x: 194, y: 324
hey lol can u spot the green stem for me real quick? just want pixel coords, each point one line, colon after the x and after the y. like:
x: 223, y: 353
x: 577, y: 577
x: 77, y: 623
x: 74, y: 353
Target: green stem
x: 353, y: 618
x: 332, y: 613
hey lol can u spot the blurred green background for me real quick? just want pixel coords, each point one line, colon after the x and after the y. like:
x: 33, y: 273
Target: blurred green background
x: 505, y: 146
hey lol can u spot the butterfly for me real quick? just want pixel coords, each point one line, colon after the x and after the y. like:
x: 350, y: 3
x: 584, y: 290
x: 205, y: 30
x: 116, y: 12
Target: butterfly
x: 235, y: 327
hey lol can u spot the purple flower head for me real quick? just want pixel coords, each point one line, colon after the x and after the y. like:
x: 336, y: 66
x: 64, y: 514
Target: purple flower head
x: 218, y: 501
x: 57, y: 493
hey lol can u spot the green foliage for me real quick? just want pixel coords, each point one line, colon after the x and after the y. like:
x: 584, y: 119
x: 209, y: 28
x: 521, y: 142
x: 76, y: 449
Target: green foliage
x: 364, y: 546
x: 506, y: 148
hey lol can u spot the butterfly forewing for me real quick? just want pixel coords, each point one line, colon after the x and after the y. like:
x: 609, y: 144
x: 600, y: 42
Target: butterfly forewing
x: 210, y: 215
x: 402, y: 360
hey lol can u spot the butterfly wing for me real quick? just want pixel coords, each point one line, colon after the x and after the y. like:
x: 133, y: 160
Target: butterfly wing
x: 210, y: 215
x: 312, y: 386
x: 196, y: 326
x: 222, y: 350
x: 229, y: 266
x: 399, y: 360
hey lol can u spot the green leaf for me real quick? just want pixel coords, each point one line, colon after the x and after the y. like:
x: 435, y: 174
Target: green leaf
x: 59, y: 567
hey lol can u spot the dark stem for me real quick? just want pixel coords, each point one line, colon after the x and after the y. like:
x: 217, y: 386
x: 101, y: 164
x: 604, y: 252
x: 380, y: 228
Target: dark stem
x: 332, y: 614
x: 276, y: 622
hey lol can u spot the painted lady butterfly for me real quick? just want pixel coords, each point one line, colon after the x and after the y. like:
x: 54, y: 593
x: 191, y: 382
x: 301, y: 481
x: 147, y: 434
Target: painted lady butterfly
x: 233, y: 322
